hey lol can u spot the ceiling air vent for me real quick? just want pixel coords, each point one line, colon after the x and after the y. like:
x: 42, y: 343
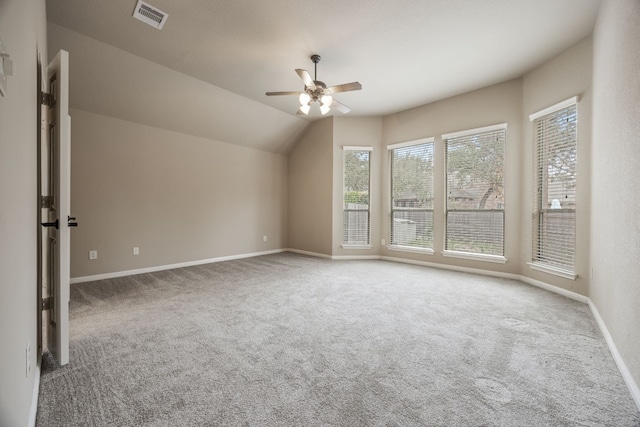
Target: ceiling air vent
x: 150, y: 15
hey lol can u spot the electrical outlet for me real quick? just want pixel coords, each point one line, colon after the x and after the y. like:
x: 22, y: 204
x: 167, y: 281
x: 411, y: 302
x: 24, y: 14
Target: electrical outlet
x: 28, y: 359
x: 93, y: 255
x: 136, y: 250
x: 382, y: 242
x: 265, y: 238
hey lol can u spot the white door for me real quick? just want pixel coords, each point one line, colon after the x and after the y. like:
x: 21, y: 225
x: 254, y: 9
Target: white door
x: 58, y: 218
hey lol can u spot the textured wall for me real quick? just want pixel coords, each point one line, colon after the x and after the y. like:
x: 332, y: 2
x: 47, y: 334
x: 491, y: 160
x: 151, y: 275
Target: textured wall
x: 615, y: 220
x: 310, y: 189
x: 177, y: 197
x: 562, y: 77
x: 23, y: 32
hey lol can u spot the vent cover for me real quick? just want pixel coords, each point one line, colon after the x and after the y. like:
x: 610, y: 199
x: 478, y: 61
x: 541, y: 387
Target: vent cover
x: 150, y: 15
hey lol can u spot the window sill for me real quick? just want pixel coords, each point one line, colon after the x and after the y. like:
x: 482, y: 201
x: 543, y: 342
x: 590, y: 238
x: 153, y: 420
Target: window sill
x: 399, y: 248
x: 475, y: 257
x: 567, y: 274
x: 346, y: 246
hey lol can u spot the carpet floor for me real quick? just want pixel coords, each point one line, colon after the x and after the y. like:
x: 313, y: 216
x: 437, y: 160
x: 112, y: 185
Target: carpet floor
x: 290, y: 340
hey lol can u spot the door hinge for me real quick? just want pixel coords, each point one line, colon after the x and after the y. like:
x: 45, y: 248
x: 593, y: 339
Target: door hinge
x: 47, y: 303
x: 46, y: 202
x: 47, y: 99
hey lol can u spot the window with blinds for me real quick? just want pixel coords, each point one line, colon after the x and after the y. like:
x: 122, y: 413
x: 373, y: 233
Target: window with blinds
x: 475, y: 191
x: 356, y: 184
x: 411, y: 220
x: 554, y: 190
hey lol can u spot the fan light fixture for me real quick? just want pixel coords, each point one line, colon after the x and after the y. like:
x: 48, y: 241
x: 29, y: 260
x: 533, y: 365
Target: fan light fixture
x: 304, y: 98
x: 317, y: 91
x: 304, y: 109
x: 326, y: 102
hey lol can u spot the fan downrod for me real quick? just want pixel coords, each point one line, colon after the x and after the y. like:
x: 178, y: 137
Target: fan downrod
x: 315, y: 58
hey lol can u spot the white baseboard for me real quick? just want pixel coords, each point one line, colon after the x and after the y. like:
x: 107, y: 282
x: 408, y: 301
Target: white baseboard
x: 622, y: 367
x: 170, y: 266
x: 453, y: 267
x: 527, y: 280
x: 555, y: 289
x: 315, y: 254
x: 354, y: 257
x: 34, y: 398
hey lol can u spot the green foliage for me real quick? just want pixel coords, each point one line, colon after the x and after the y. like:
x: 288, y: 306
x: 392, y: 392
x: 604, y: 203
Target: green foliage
x: 412, y: 170
x: 356, y: 171
x: 356, y: 198
x: 476, y: 163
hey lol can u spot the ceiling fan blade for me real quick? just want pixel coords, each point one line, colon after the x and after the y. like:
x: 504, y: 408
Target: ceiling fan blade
x: 340, y: 107
x: 347, y: 87
x: 306, y: 78
x: 282, y: 93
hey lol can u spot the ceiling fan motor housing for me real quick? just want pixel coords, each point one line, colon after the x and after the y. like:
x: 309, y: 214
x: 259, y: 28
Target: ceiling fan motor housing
x: 316, y: 92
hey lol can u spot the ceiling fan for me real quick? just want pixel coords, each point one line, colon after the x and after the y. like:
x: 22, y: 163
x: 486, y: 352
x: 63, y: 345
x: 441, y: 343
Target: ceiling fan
x: 317, y: 91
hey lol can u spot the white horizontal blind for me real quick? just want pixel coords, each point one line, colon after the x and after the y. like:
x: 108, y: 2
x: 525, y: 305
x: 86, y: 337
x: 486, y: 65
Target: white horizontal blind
x: 356, y: 212
x: 412, y: 195
x: 554, y: 215
x: 475, y: 192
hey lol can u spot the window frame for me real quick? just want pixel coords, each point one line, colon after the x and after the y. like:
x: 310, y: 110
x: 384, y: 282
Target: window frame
x: 347, y: 245
x: 535, y: 263
x: 390, y: 151
x: 477, y: 256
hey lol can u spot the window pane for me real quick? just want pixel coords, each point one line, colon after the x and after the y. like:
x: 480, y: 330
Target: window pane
x: 356, y: 227
x: 356, y: 179
x: 412, y: 176
x: 412, y: 227
x: 475, y: 193
x: 476, y: 231
x: 356, y: 197
x: 556, y: 239
x: 412, y: 195
x: 557, y: 159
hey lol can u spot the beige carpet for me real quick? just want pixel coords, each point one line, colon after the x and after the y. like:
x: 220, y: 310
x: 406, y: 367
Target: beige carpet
x: 289, y: 340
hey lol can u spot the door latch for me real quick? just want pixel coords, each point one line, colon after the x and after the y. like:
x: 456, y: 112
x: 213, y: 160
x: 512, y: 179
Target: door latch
x: 51, y: 224
x: 71, y: 221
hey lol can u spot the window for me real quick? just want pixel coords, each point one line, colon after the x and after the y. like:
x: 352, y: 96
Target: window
x: 412, y: 194
x: 554, y: 191
x: 475, y: 193
x: 356, y: 212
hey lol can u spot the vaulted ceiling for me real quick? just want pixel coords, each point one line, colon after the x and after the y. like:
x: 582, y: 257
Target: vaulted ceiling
x: 227, y: 54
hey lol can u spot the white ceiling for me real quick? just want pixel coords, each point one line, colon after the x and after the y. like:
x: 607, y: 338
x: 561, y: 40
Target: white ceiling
x: 405, y: 53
